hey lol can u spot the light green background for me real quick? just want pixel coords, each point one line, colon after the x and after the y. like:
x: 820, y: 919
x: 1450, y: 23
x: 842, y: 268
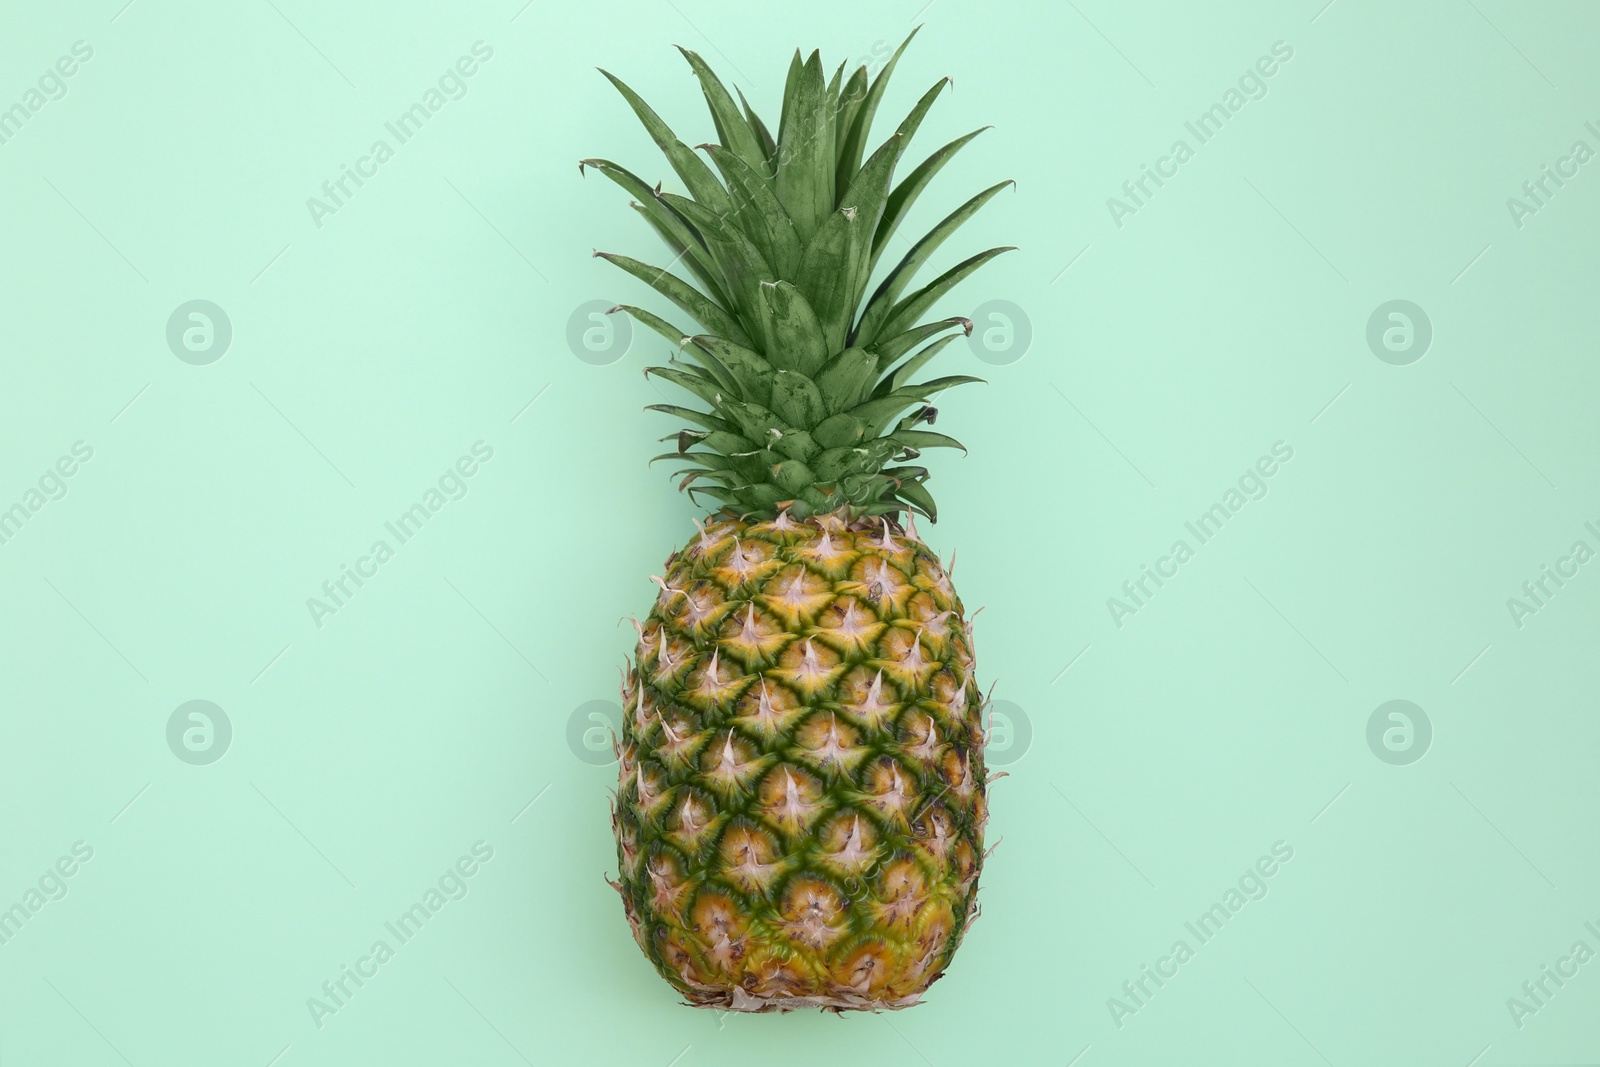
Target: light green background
x: 369, y: 353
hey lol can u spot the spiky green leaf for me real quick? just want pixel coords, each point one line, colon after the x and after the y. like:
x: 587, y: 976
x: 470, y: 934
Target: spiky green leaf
x: 693, y: 255
x: 924, y: 439
x: 760, y: 214
x: 699, y: 418
x: 898, y: 377
x: 655, y: 322
x: 894, y: 347
x: 733, y: 131
x: 894, y: 283
x: 805, y: 151
x: 769, y: 144
x: 700, y: 383
x: 855, y: 142
x: 686, y: 296
x: 917, y: 496
x: 905, y: 194
x: 846, y: 378
x: 753, y: 374
x: 691, y: 168
x: 796, y: 399
x: 741, y: 263
x: 912, y: 307
x: 795, y: 337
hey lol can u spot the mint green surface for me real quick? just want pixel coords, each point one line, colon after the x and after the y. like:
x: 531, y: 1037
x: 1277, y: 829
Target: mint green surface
x: 1158, y: 748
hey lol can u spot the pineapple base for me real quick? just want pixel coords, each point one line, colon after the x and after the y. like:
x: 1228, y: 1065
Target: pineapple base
x: 737, y: 999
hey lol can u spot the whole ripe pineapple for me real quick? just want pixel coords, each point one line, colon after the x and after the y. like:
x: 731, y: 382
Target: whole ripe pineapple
x: 801, y: 803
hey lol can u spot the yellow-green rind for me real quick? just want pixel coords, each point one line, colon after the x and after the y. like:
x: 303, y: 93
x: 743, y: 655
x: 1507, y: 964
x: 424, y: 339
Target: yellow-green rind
x: 801, y: 798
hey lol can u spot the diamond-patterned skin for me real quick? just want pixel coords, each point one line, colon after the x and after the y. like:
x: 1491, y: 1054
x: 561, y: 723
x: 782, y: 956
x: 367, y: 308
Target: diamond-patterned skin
x: 801, y: 799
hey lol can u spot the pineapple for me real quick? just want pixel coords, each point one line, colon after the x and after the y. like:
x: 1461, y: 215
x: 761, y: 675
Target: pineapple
x: 801, y: 801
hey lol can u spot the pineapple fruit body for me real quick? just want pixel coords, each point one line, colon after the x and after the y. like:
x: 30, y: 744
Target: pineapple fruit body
x: 800, y: 810
x: 801, y: 801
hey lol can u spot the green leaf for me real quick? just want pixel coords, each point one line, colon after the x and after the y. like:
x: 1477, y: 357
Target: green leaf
x: 840, y: 431
x: 751, y: 466
x: 923, y: 390
x: 851, y: 98
x: 902, y: 136
x: 792, y: 475
x: 833, y: 271
x: 753, y: 374
x: 909, y: 124
x: 833, y: 86
x: 925, y: 439
x: 905, y: 194
x: 725, y: 379
x: 791, y: 90
x: 862, y: 207
x: 866, y: 490
x: 732, y: 130
x: 760, y: 215
x: 740, y: 261
x: 813, y: 501
x: 796, y: 399
x: 753, y: 420
x: 877, y: 412
x: 768, y: 145
x: 641, y: 191
x: 797, y: 444
x: 723, y: 478
x: 855, y: 142
x: 901, y: 374
x: 909, y: 310
x: 655, y: 322
x: 898, y: 345
x: 711, y: 460
x: 906, y: 474
x: 834, y: 463
x: 694, y: 254
x: 766, y: 457
x: 824, y: 278
x: 843, y: 382
x: 699, y: 418
x: 889, y: 290
x: 916, y: 495
x: 765, y: 497
x: 727, y: 443
x: 805, y: 152
x: 691, y: 168
x: 794, y: 336
x: 727, y: 496
x: 686, y: 296
x: 697, y: 382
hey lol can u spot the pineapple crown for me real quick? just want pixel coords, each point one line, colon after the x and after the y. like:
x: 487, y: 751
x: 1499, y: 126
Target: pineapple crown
x: 805, y: 378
